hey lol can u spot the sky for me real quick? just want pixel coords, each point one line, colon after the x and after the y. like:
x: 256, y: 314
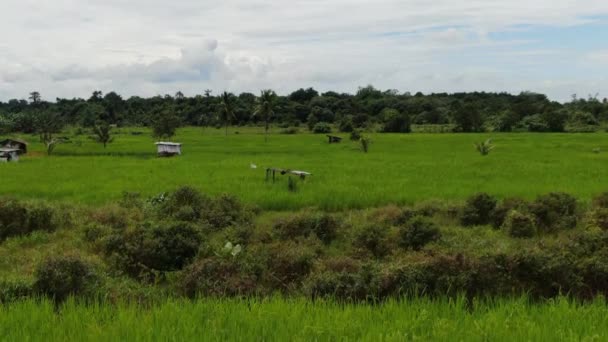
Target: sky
x: 69, y: 48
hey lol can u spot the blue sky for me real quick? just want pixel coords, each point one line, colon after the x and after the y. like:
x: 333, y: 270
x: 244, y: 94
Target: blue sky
x: 68, y: 48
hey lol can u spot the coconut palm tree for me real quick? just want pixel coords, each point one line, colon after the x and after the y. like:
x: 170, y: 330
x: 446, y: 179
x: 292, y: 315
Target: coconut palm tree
x: 226, y: 109
x: 265, y: 109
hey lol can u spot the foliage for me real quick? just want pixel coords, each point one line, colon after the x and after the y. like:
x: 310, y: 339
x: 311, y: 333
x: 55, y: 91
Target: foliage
x: 477, y: 210
x: 365, y: 141
x: 265, y: 108
x: 418, y: 232
x: 102, y: 131
x: 519, y: 225
x: 226, y: 109
x: 555, y: 211
x: 62, y: 276
x: 502, y: 209
x: 321, y: 127
x: 164, y: 123
x: 19, y: 218
x: 484, y: 147
x: 322, y: 225
x: 395, y: 122
x: 373, y: 238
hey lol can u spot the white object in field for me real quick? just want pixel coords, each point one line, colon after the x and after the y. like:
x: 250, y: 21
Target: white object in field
x: 9, y: 154
x: 300, y: 173
x: 168, y: 148
x: 253, y: 166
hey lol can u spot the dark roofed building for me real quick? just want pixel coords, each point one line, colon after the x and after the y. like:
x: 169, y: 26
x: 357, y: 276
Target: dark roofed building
x: 16, y: 144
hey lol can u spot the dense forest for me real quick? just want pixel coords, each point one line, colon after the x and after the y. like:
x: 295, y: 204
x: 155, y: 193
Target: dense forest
x: 371, y: 108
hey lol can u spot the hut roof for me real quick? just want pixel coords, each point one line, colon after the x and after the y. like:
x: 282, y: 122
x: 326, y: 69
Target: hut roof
x: 14, y: 140
x: 168, y: 143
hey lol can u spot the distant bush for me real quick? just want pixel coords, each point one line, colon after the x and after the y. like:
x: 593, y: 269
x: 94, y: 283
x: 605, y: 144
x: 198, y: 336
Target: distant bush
x: 353, y: 284
x: 418, y: 232
x: 555, y: 211
x: 500, y: 212
x: 599, y: 218
x: 290, y: 130
x: 365, y: 141
x: 519, y: 225
x: 117, y: 217
x: 63, y: 276
x: 289, y: 263
x: 601, y: 200
x: 20, y: 218
x: 163, y: 247
x: 477, y: 209
x: 355, y: 135
x: 321, y: 127
x: 185, y: 196
x: 373, y: 238
x: 218, y: 276
x: 346, y: 125
x: 11, y: 291
x: 226, y: 210
x: 322, y: 225
x: 395, y: 122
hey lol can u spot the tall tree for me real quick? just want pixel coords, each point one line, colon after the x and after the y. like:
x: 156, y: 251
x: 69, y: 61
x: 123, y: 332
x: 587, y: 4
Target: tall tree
x: 165, y: 123
x: 47, y: 124
x: 265, y: 109
x: 226, y: 109
x: 35, y: 98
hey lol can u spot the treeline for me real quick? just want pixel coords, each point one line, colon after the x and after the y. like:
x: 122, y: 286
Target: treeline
x: 388, y: 110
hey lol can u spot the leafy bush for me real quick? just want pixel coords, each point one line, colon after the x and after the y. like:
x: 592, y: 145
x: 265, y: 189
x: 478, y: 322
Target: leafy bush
x: 500, y: 212
x: 11, y: 291
x: 362, y: 283
x: 290, y: 130
x: 395, y: 122
x: 418, y: 232
x: 346, y: 125
x: 217, y: 276
x: 226, y: 210
x: 114, y: 216
x: 484, y: 147
x: 185, y: 196
x: 321, y: 127
x: 289, y: 263
x: 62, y: 276
x: 148, y: 249
x: 601, y: 200
x: 365, y: 142
x: 478, y: 209
x: 373, y: 238
x: 20, y: 218
x: 520, y: 225
x: 323, y: 225
x: 599, y: 218
x: 355, y: 135
x: 555, y: 211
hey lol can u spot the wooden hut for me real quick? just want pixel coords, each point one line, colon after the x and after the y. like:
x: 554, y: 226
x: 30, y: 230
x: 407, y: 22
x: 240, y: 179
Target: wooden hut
x: 168, y: 149
x: 17, y: 144
x: 9, y: 155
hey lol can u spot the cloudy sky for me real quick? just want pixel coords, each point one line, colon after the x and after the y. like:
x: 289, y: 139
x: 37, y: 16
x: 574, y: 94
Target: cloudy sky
x: 68, y: 48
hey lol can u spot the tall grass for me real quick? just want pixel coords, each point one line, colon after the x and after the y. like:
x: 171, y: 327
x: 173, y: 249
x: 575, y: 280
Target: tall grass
x: 297, y: 320
x: 400, y: 168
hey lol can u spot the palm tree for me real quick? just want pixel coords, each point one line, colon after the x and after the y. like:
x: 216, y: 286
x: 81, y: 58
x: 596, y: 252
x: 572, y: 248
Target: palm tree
x: 265, y: 108
x: 226, y: 109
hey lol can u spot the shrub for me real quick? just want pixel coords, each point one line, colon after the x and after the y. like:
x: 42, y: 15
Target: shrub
x: 11, y: 291
x: 323, y: 225
x: 217, y: 276
x: 484, y: 147
x: 500, y: 212
x: 601, y: 200
x: 555, y: 211
x: 20, y: 218
x: 289, y: 263
x: 290, y: 130
x: 418, y: 232
x: 63, y: 276
x: 321, y: 127
x: 185, y: 196
x: 478, y: 209
x: 395, y: 122
x: 365, y: 142
x: 361, y: 284
x: 355, y: 135
x: 147, y: 249
x: 373, y: 238
x: 226, y: 210
x: 346, y: 125
x: 520, y: 225
x: 113, y: 216
x: 599, y: 218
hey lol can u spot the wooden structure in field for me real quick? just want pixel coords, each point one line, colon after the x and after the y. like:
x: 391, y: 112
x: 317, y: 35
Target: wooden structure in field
x: 272, y: 171
x: 9, y: 155
x: 19, y: 145
x: 168, y: 149
x: 334, y: 139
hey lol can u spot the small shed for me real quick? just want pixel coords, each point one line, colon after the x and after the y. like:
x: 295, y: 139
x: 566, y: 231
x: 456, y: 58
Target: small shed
x: 9, y: 155
x: 168, y: 149
x: 17, y: 144
x: 334, y: 139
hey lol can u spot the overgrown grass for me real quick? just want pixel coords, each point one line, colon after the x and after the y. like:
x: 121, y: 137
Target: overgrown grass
x: 279, y: 319
x: 400, y: 168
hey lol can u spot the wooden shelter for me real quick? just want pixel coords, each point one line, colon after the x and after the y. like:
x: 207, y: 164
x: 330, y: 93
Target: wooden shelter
x: 17, y: 144
x: 9, y: 155
x: 334, y: 139
x: 168, y: 149
x: 272, y: 171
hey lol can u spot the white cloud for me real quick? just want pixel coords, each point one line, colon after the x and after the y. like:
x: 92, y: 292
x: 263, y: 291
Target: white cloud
x: 71, y: 47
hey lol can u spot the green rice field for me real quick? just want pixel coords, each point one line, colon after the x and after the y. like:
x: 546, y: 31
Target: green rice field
x: 399, y: 168
x: 301, y: 320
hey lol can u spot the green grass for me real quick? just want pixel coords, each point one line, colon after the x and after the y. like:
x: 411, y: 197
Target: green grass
x: 400, y: 168
x: 300, y: 320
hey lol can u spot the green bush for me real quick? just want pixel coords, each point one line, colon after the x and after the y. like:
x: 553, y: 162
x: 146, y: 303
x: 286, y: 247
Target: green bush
x: 373, y: 238
x: 11, y: 291
x: 185, y: 196
x: 288, y: 264
x: 323, y: 225
x: 290, y: 130
x: 599, y: 218
x: 20, y: 218
x: 114, y: 216
x: 520, y: 225
x: 346, y: 125
x: 62, y: 276
x: 500, y: 212
x: 218, y: 276
x: 418, y: 232
x: 395, y: 122
x: 478, y: 209
x: 555, y: 211
x: 225, y: 211
x: 355, y: 135
x: 362, y: 283
x: 143, y: 250
x: 601, y: 200
x: 321, y: 127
